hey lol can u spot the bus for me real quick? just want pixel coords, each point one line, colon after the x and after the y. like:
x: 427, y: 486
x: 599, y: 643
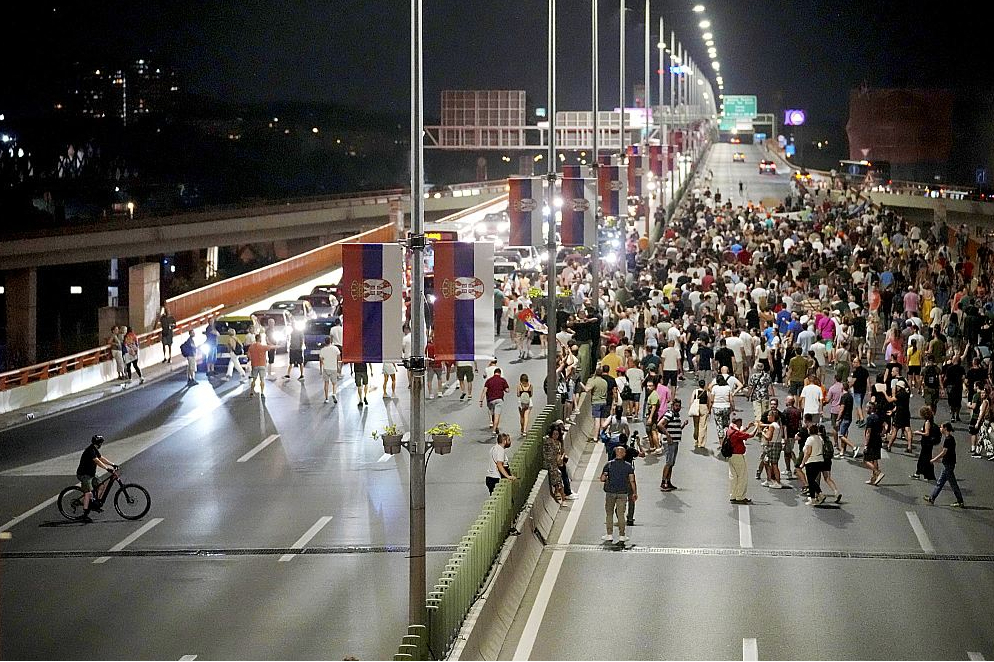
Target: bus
x: 865, y: 173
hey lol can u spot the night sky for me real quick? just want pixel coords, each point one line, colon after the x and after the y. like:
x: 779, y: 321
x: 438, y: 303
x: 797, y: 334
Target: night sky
x: 806, y: 54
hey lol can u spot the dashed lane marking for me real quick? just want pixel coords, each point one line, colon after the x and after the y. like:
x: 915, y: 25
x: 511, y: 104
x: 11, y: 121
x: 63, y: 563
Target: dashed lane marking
x: 306, y: 538
x: 130, y: 539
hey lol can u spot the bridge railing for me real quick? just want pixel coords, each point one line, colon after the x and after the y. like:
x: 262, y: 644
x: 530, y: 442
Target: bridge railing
x: 96, y: 356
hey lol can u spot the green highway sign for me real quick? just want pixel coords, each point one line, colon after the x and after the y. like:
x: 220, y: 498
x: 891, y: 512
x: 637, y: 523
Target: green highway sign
x: 726, y: 124
x: 740, y: 106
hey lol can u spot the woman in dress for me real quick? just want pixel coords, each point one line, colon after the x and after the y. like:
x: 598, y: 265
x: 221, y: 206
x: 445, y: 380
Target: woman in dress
x: 552, y: 460
x: 131, y: 350
x: 930, y: 436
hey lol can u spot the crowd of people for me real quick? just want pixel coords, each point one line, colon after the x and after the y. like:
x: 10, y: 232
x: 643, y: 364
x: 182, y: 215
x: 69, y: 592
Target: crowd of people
x: 817, y: 331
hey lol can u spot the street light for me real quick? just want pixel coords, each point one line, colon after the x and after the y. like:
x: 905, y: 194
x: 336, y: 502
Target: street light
x: 705, y: 24
x: 698, y: 9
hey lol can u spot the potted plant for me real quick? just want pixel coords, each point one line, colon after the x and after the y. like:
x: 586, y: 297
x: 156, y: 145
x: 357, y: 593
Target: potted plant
x: 391, y: 436
x: 442, y: 435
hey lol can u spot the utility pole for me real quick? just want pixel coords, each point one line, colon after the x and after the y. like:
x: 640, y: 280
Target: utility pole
x: 621, y: 79
x: 418, y: 576
x: 595, y: 255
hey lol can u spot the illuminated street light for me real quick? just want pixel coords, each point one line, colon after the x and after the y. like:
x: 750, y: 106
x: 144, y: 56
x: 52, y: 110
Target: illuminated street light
x: 704, y: 25
x: 698, y: 9
x: 716, y: 65
x: 707, y: 35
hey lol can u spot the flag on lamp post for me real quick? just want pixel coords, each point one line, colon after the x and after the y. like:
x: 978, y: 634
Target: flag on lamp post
x: 656, y: 160
x: 579, y: 212
x: 611, y: 190
x: 637, y: 176
x: 372, y: 305
x: 463, y: 307
x: 524, y: 208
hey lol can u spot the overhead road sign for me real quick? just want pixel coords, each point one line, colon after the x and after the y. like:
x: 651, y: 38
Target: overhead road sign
x: 740, y: 106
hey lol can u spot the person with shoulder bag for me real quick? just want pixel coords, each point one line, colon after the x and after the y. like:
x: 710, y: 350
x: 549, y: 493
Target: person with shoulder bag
x: 700, y: 408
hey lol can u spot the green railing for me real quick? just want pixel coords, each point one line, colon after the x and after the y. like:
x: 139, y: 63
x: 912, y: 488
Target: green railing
x: 467, y: 569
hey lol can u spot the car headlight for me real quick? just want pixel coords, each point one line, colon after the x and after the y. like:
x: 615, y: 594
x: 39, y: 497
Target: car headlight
x: 279, y: 336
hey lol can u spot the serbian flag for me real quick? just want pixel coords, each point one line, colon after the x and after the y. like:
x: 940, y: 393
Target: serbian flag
x: 571, y: 171
x: 637, y: 176
x: 372, y: 302
x: 610, y: 187
x: 524, y: 207
x: 579, y: 211
x: 656, y: 160
x: 464, y: 297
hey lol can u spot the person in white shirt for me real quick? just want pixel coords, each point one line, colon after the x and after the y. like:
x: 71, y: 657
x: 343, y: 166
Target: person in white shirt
x: 498, y: 467
x: 329, y: 359
x: 405, y: 349
x: 811, y: 400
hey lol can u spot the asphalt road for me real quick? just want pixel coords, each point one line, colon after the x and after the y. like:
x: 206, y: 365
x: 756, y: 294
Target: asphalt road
x: 882, y: 575
x: 213, y: 572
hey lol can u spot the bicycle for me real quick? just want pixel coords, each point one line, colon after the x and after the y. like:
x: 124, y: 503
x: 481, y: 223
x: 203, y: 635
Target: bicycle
x: 131, y: 501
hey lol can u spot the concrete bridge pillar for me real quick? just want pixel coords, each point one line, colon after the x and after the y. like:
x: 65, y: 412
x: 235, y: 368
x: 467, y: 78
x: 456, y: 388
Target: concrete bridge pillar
x: 143, y: 296
x: 21, y: 289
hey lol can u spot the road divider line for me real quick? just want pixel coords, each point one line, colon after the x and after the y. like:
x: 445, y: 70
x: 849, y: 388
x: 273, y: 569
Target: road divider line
x: 527, y: 641
x: 975, y: 656
x: 750, y: 649
x: 306, y: 538
x: 262, y: 444
x: 923, y: 539
x: 189, y: 658
x: 28, y: 513
x: 745, y: 528
x: 130, y: 539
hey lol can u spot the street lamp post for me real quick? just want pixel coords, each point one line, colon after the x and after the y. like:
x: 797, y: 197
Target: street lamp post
x: 595, y: 267
x: 621, y: 81
x: 550, y: 313
x: 417, y: 446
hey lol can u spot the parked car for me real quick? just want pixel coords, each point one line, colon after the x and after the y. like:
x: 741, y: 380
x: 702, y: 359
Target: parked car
x: 283, y: 323
x: 315, y: 335
x: 301, y: 311
x: 323, y: 305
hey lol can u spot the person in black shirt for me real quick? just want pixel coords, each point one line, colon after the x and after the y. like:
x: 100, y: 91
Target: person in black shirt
x: 930, y: 438
x: 860, y: 377
x: 86, y: 472
x: 873, y: 444
x: 724, y: 356
x: 948, y: 457
x: 930, y: 382
x: 951, y: 380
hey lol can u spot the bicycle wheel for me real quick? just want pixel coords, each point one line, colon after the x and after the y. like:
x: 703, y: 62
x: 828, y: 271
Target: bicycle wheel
x: 71, y: 503
x: 132, y: 501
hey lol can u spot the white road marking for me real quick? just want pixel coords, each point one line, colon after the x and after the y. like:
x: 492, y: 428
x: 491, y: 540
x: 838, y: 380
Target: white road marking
x: 750, y: 649
x: 262, y: 444
x: 130, y: 539
x: 534, y: 622
x: 23, y: 516
x: 189, y: 658
x: 923, y: 540
x: 975, y: 656
x: 745, y: 528
x: 306, y: 538
x: 884, y: 454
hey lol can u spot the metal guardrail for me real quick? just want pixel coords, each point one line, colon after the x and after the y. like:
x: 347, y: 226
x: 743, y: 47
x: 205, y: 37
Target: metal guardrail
x: 67, y: 364
x: 464, y: 575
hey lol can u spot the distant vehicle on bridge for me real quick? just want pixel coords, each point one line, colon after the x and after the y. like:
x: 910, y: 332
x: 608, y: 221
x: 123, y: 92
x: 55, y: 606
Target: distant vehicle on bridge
x: 767, y: 167
x: 738, y: 157
x: 865, y: 173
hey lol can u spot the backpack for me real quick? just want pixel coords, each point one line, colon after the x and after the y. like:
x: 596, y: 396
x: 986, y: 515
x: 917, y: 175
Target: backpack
x: 726, y: 446
x: 188, y: 349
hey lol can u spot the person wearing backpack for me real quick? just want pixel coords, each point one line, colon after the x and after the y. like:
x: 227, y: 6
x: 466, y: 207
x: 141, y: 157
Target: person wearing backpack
x: 235, y: 351
x: 616, y: 432
x: 189, y: 351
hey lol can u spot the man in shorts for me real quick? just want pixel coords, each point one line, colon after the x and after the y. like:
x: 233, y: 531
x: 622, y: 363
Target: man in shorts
x: 360, y: 372
x: 464, y: 373
x: 257, y: 353
x: 494, y: 390
x: 329, y: 358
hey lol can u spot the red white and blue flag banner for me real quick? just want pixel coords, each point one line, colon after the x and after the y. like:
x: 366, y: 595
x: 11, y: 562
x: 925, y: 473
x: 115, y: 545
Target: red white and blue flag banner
x: 372, y: 303
x: 525, y: 199
x: 656, y: 159
x: 571, y: 170
x: 464, y: 295
x: 638, y: 179
x: 579, y: 212
x: 611, y: 190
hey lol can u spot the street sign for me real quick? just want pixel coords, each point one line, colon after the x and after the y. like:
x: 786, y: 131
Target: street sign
x: 981, y: 176
x: 740, y: 106
x: 758, y: 136
x: 726, y: 124
x: 789, y: 149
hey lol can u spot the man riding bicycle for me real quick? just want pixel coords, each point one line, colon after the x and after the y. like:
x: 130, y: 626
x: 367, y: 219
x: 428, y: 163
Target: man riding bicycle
x: 87, y: 472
